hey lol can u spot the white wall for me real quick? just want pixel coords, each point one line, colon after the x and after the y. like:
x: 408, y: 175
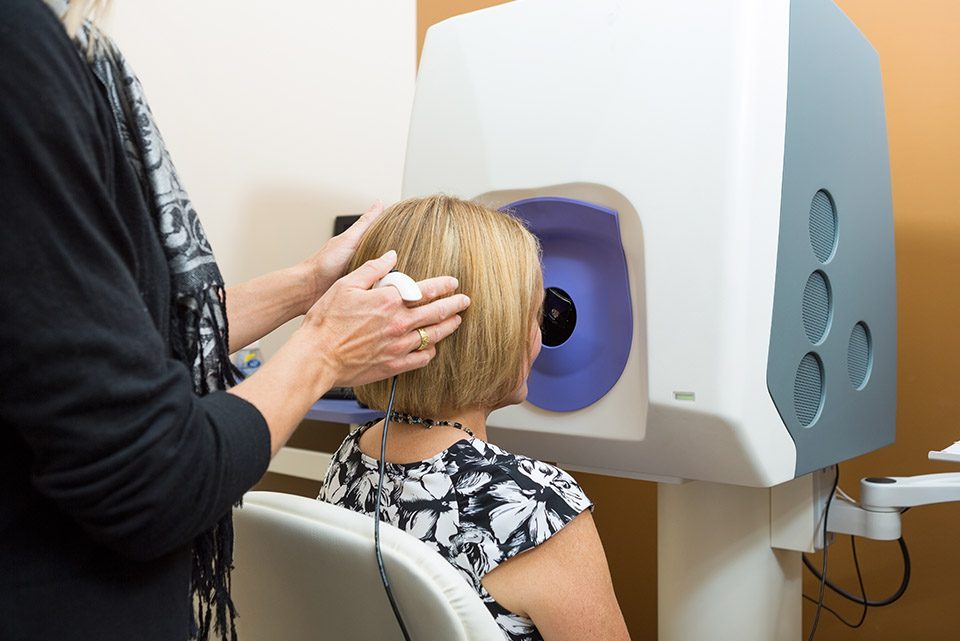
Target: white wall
x: 279, y: 115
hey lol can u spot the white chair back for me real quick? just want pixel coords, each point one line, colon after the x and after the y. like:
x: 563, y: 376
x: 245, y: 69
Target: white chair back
x: 306, y: 571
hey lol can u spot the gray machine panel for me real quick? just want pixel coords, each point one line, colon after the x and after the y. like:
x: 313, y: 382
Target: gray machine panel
x: 832, y: 369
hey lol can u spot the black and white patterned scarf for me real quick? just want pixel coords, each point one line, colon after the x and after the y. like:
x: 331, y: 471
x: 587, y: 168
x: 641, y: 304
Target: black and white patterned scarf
x: 198, y: 329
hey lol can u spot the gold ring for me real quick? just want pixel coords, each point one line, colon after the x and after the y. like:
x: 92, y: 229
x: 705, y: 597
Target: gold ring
x: 424, y: 339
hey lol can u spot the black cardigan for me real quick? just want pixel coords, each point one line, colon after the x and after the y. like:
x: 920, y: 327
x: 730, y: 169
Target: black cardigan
x: 109, y: 464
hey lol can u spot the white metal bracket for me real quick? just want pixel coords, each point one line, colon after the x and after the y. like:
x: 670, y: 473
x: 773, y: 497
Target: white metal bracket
x: 893, y: 493
x: 884, y: 498
x: 846, y: 517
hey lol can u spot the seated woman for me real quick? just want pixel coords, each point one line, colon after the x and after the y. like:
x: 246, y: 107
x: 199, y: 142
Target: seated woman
x: 520, y: 531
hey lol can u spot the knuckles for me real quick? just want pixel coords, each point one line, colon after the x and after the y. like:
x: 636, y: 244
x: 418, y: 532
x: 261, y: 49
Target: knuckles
x: 397, y: 326
x: 442, y: 311
x: 426, y: 356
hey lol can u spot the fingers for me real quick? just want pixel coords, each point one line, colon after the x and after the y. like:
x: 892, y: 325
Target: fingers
x: 438, y: 311
x: 413, y: 360
x: 373, y: 211
x: 367, y: 275
x: 432, y: 288
x: 355, y: 232
x: 435, y: 333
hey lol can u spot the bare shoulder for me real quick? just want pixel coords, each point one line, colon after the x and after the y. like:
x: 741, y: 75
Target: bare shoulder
x: 563, y: 585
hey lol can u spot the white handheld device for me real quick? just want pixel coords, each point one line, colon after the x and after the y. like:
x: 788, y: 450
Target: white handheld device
x: 408, y: 288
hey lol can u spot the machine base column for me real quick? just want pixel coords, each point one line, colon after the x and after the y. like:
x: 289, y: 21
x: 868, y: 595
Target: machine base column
x: 719, y: 579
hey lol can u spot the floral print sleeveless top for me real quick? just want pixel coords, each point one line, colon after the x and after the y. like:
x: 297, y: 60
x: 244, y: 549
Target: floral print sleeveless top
x: 474, y: 503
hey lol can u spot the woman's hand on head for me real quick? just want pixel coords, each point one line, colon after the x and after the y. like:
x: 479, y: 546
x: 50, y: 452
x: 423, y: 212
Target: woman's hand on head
x: 328, y: 264
x: 352, y: 335
x: 370, y: 334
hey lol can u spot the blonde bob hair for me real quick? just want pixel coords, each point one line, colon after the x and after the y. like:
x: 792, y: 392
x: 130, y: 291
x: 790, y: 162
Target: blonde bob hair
x: 497, y: 261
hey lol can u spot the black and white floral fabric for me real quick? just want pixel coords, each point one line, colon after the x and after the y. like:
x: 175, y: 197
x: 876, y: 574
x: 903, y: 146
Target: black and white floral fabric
x: 475, y: 503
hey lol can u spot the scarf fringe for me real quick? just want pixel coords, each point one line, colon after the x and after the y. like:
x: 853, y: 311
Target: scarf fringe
x: 196, y: 314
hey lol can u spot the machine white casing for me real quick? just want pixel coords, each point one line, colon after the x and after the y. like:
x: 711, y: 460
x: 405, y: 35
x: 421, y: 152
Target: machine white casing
x: 673, y: 114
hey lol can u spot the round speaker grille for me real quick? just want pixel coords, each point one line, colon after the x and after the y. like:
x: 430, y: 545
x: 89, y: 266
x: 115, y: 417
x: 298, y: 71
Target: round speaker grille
x: 823, y: 226
x: 808, y: 389
x: 817, y: 307
x: 859, y: 355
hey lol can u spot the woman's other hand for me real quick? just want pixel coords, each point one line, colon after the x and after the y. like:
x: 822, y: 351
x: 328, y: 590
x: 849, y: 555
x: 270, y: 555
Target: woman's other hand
x: 259, y: 306
x: 329, y: 263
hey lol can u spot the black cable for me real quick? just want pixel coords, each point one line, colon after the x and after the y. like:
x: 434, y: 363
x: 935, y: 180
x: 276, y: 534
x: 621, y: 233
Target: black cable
x: 823, y: 581
x: 863, y: 592
x: 836, y: 614
x: 863, y: 588
x: 868, y: 602
x: 376, y: 513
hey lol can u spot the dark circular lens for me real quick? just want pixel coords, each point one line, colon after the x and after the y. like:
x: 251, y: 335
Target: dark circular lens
x: 559, y: 317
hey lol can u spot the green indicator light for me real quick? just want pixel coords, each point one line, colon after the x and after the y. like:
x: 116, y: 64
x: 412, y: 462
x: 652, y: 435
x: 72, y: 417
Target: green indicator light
x: 685, y: 396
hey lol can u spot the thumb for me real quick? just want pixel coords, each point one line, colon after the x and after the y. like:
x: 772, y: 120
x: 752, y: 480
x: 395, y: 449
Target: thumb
x: 355, y: 232
x: 367, y: 275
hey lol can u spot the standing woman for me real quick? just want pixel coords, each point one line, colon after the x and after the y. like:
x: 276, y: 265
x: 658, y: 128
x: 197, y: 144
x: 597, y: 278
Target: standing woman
x: 124, y: 442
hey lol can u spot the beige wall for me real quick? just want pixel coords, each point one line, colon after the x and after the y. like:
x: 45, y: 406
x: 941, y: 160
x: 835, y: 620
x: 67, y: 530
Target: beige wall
x: 278, y: 115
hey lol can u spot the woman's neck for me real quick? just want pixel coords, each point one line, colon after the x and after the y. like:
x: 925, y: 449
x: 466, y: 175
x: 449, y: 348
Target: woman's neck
x: 410, y: 443
x: 474, y: 419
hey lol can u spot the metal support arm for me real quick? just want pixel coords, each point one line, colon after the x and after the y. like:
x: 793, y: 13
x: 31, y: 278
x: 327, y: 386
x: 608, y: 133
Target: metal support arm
x: 893, y: 493
x: 846, y: 517
x: 883, y: 498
